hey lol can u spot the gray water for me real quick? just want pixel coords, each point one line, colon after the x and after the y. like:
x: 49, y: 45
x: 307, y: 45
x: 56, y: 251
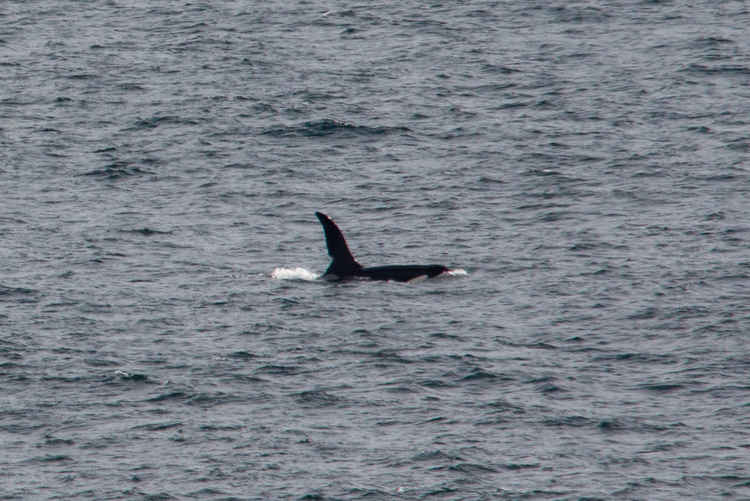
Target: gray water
x: 162, y: 333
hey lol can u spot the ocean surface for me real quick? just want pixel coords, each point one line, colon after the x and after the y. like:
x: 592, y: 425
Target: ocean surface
x: 584, y: 166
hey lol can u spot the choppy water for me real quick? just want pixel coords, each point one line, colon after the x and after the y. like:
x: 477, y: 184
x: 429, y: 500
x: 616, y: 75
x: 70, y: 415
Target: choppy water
x: 585, y: 162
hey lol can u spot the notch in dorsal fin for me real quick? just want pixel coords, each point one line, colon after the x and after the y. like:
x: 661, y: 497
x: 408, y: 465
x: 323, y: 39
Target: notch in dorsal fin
x: 343, y: 263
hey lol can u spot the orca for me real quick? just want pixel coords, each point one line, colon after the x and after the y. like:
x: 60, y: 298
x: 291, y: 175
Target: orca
x: 343, y: 265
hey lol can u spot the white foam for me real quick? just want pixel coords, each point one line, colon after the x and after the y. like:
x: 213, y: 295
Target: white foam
x: 293, y: 274
x: 457, y: 272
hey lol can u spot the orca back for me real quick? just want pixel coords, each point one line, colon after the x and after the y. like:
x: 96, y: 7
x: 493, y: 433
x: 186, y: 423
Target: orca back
x: 344, y: 266
x: 402, y: 273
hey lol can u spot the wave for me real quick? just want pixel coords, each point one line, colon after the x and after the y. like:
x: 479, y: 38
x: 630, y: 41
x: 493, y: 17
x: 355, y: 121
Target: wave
x: 327, y: 127
x: 117, y: 170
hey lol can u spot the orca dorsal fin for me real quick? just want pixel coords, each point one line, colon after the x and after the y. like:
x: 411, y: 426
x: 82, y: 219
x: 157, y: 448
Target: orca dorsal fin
x: 343, y: 263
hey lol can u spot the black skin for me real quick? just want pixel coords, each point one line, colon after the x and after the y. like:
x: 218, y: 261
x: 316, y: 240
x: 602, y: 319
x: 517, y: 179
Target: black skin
x: 344, y: 266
